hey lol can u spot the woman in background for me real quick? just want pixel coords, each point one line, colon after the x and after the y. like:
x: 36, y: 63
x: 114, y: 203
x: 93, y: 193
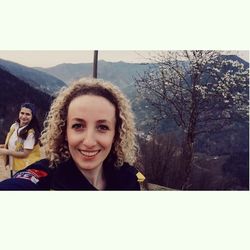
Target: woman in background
x: 22, y: 145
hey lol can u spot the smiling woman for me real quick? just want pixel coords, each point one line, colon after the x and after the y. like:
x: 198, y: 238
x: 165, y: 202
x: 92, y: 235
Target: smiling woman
x: 90, y: 134
x: 89, y: 141
x: 21, y: 145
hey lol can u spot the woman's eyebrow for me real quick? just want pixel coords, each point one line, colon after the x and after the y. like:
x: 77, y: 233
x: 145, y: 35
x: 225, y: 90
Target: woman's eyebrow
x: 104, y: 121
x: 24, y: 113
x: 78, y: 119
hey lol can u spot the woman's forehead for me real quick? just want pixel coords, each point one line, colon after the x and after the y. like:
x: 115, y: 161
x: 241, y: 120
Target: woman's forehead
x: 91, y: 101
x: 25, y: 110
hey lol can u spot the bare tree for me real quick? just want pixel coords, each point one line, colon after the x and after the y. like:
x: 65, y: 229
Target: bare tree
x: 160, y: 160
x: 200, y: 90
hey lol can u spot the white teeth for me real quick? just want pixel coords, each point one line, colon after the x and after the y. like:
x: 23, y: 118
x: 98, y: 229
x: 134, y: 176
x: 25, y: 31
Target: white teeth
x: 89, y: 154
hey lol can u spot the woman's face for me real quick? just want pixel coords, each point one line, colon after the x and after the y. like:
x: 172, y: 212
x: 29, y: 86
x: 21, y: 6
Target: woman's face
x: 90, y: 130
x: 25, y: 116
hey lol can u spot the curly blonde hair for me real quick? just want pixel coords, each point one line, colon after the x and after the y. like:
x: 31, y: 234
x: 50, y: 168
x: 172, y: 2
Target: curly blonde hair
x: 124, y: 148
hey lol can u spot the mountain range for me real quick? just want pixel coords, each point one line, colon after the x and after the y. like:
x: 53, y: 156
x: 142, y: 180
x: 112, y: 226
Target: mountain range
x: 49, y: 80
x: 35, y: 78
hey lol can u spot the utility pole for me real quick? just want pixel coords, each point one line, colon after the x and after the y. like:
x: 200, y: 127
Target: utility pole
x: 95, y: 63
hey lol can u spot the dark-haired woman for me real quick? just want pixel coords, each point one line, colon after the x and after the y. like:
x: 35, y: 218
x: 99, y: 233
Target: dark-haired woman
x: 22, y: 144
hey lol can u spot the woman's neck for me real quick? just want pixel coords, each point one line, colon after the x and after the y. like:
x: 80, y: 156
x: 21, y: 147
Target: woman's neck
x: 22, y: 125
x: 95, y: 177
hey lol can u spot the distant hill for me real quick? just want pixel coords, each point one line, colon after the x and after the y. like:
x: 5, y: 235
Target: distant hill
x: 13, y: 93
x: 237, y: 58
x: 120, y: 73
x: 37, y: 79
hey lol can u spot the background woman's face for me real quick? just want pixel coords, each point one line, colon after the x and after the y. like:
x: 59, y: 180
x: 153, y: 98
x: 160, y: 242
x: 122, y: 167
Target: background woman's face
x: 90, y: 130
x: 25, y: 116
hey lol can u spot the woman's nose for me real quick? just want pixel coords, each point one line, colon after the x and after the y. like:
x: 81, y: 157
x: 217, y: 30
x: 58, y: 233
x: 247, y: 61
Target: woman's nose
x: 89, y: 138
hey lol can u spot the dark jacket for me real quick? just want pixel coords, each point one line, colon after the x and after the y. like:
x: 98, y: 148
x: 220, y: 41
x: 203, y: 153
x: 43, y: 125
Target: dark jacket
x: 66, y: 176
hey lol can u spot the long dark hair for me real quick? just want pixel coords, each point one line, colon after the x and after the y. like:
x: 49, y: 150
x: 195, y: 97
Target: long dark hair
x: 34, y: 124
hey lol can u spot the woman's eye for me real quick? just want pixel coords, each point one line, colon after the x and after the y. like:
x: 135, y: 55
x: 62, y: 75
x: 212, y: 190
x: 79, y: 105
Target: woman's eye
x: 103, y: 127
x: 77, y: 126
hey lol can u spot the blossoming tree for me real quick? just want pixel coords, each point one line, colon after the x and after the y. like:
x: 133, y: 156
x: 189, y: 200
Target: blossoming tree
x: 201, y: 90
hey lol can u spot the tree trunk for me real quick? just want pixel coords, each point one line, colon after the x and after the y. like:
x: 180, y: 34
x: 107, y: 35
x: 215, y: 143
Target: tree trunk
x: 187, y: 156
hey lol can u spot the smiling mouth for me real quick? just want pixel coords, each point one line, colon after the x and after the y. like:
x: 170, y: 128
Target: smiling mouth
x: 89, y: 154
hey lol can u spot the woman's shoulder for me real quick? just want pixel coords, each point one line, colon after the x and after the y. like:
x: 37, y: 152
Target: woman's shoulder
x: 31, y: 131
x: 133, y: 171
x: 126, y: 168
x: 126, y: 177
x: 15, y: 125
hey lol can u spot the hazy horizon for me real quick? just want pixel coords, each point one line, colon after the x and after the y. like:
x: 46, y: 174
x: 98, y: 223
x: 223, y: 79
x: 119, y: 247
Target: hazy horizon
x: 50, y: 58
